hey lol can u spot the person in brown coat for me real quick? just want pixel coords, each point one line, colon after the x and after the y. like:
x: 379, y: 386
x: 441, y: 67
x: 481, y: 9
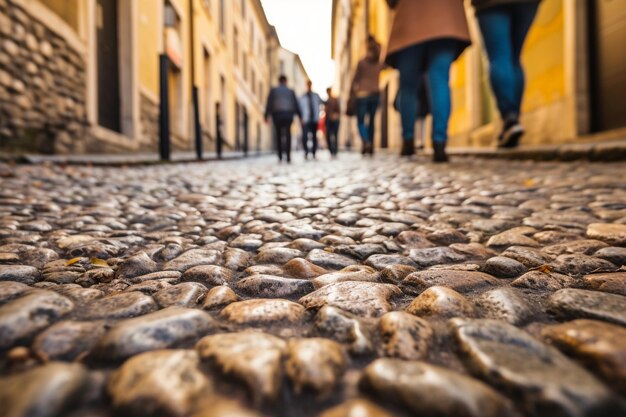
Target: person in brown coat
x: 427, y: 36
x: 366, y: 91
x: 504, y: 25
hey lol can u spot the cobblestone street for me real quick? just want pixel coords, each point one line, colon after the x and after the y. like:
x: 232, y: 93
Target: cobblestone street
x: 352, y: 288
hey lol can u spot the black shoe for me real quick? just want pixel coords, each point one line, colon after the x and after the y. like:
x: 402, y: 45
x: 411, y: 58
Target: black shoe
x: 510, y: 136
x: 408, y: 148
x: 439, y: 153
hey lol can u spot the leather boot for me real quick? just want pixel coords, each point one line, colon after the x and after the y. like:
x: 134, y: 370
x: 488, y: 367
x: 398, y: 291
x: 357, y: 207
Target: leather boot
x: 408, y: 148
x: 439, y: 153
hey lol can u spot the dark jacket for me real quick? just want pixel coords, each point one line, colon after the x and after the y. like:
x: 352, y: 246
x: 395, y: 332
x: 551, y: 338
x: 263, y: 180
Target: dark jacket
x: 282, y: 99
x: 486, y: 4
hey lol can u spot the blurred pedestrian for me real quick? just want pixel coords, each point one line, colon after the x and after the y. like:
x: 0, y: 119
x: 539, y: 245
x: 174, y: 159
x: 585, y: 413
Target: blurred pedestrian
x: 332, y: 108
x: 427, y: 36
x: 365, y: 91
x: 504, y: 25
x: 310, y: 104
x: 282, y: 106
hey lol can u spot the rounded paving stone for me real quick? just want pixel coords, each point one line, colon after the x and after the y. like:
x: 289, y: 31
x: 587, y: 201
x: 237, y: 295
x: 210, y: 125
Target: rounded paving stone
x: 503, y: 267
x: 612, y: 282
x: 45, y: 391
x: 425, y: 389
x: 601, y: 345
x: 574, y: 303
x: 366, y: 299
x: 404, y: 336
x: 19, y: 273
x: 263, y: 312
x: 219, y: 297
x: 67, y: 340
x: 461, y: 281
x: 315, y: 364
x: 441, y: 302
x: 119, y: 306
x: 23, y: 317
x: 251, y: 357
x: 212, y: 275
x: 301, y: 268
x: 167, y: 328
x: 164, y: 382
x: 268, y: 286
x: 542, y: 378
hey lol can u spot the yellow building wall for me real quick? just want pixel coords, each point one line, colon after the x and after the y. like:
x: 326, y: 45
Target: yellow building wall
x: 149, y: 34
x: 544, y: 57
x: 68, y: 10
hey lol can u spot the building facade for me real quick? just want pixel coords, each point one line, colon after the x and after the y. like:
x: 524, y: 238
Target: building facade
x: 88, y: 75
x: 575, y: 74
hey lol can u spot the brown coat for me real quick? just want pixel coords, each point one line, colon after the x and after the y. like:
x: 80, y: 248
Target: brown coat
x: 418, y: 21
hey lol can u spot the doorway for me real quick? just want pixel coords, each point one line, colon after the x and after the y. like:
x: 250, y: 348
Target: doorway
x: 607, y: 19
x: 109, y: 115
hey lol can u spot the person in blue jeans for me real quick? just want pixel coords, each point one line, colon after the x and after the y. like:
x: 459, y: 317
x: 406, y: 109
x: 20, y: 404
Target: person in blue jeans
x: 427, y: 36
x: 365, y: 88
x: 504, y: 25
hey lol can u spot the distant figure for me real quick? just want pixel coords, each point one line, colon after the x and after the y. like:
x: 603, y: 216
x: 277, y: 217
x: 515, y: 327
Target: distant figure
x: 282, y: 106
x: 365, y: 89
x: 310, y: 104
x: 504, y: 25
x: 427, y: 36
x: 332, y: 108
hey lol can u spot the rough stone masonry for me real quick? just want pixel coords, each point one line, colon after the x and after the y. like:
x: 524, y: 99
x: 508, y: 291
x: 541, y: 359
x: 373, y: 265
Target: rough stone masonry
x: 333, y: 289
x: 42, y: 86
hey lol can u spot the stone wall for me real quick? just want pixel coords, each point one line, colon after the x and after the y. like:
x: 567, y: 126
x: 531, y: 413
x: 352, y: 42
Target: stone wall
x: 42, y: 87
x: 149, y: 114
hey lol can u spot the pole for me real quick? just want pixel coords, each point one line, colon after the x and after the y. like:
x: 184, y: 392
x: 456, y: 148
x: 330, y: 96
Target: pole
x: 164, y: 109
x: 197, y: 128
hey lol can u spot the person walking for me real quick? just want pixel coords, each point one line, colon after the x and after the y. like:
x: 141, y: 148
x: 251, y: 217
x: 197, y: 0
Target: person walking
x: 310, y: 104
x: 504, y: 25
x: 366, y: 91
x: 332, y: 108
x: 427, y: 36
x: 282, y: 106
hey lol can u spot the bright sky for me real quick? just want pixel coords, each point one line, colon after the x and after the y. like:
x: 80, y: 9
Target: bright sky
x: 304, y: 27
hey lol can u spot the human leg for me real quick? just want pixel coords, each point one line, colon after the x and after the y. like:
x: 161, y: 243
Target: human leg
x: 440, y: 56
x: 496, y: 27
x: 372, y: 106
x: 361, y: 113
x: 288, y: 141
x: 409, y: 65
x: 313, y: 134
x: 278, y: 138
x: 522, y: 17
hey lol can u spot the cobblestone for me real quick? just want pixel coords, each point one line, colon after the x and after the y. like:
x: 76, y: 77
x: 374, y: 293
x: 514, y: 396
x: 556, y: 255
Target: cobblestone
x: 334, y: 289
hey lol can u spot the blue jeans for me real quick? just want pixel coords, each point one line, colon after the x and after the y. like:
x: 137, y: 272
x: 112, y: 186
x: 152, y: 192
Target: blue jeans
x: 366, y: 108
x: 504, y: 30
x: 435, y: 59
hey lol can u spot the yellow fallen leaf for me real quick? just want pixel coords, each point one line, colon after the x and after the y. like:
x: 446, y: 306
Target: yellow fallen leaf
x: 72, y: 261
x: 98, y: 262
x: 546, y: 269
x: 529, y: 182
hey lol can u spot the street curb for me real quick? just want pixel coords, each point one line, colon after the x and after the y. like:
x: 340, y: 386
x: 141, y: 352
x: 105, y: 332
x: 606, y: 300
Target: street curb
x: 609, y: 151
x: 122, y: 159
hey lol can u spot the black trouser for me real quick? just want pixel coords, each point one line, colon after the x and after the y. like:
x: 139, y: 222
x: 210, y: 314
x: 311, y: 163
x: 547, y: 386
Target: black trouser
x: 310, y: 130
x: 332, y: 130
x: 282, y: 133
